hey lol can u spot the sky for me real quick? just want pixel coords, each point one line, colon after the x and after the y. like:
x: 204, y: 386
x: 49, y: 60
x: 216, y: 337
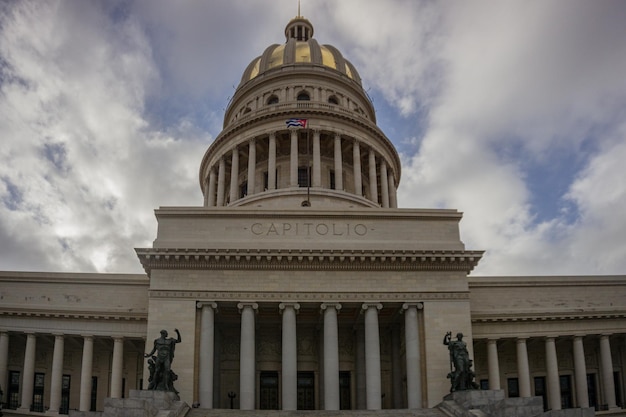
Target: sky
x: 512, y: 112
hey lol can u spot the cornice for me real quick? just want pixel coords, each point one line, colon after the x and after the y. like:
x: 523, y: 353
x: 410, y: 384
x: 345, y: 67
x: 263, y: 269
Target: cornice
x: 318, y: 297
x: 73, y: 314
x: 309, y: 259
x: 543, y: 316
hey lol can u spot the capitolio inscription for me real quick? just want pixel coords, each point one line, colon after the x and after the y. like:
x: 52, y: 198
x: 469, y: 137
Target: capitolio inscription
x: 308, y: 229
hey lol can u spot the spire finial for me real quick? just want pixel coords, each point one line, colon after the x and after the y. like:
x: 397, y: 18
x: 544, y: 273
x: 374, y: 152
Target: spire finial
x: 299, y: 8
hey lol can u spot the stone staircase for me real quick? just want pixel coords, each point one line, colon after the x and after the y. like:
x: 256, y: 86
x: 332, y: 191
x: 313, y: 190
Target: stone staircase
x: 427, y: 412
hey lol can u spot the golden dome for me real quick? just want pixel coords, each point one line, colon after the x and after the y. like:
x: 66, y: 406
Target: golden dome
x: 300, y: 48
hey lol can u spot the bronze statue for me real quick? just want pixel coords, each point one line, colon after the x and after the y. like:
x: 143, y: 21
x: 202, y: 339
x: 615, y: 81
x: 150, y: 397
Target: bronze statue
x: 160, y: 366
x: 462, y: 375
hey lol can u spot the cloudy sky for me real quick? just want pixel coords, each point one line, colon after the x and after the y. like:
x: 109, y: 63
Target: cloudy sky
x: 513, y: 112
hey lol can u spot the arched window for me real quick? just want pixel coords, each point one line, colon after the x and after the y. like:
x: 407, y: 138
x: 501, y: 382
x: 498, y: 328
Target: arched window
x: 247, y: 110
x: 333, y: 100
x: 272, y: 100
x: 303, y: 96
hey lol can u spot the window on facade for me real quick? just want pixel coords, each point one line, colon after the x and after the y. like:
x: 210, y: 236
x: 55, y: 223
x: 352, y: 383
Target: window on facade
x: 512, y: 385
x: 38, y: 388
x: 94, y: 393
x: 565, y: 381
x: 331, y: 176
x: 272, y: 100
x: 540, y: 390
x: 304, y: 179
x: 484, y: 384
x: 243, y: 189
x: 268, y: 390
x: 344, y: 390
x: 592, y: 391
x: 617, y: 381
x: 333, y: 100
x: 306, y: 391
x: 13, y: 395
x: 303, y: 96
x: 64, y: 408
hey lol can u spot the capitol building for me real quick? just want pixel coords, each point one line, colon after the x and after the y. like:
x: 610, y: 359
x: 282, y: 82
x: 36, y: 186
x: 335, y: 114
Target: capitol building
x: 298, y: 283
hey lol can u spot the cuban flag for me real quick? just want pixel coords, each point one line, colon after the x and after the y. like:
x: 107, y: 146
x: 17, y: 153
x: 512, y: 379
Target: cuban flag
x: 296, y: 123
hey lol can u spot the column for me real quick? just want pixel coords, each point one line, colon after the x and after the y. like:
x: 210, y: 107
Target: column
x: 56, y: 379
x: 28, y: 380
x: 207, y: 353
x: 552, y: 377
x: 393, y: 198
x: 247, y: 360
x: 290, y: 356
x: 85, y: 374
x: 373, y: 183
x: 493, y: 364
x: 293, y: 160
x: 384, y: 183
x: 331, y: 356
x: 338, y: 163
x: 252, y: 166
x: 413, y: 356
x: 372, y: 356
x: 356, y: 165
x: 608, y: 383
x: 317, y: 160
x: 234, y: 175
x: 221, y: 182
x: 271, y: 163
x: 210, y: 198
x: 4, y: 360
x: 523, y: 371
x: 580, y: 372
x: 117, y: 368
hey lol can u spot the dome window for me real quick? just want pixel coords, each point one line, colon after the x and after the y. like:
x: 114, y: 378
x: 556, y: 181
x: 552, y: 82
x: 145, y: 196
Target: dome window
x: 333, y: 100
x: 303, y: 96
x: 247, y: 110
x: 272, y: 100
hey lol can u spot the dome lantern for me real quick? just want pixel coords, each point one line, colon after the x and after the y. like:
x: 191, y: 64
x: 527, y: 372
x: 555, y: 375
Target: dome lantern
x: 299, y: 28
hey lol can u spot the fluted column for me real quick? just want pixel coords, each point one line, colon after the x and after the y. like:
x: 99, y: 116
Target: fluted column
x: 293, y: 160
x: 251, y: 166
x: 393, y: 198
x: 271, y: 163
x: 331, y: 356
x: 373, y: 183
x: 493, y: 364
x: 372, y: 356
x: 580, y: 372
x: 28, y: 380
x: 85, y: 374
x: 247, y: 360
x: 552, y: 371
x: 56, y: 379
x: 338, y: 163
x: 221, y: 182
x: 317, y: 160
x: 290, y: 356
x: 607, y: 372
x: 356, y: 165
x: 234, y: 175
x: 4, y: 359
x: 210, y: 197
x: 206, y: 354
x: 117, y: 368
x: 413, y: 355
x: 384, y: 184
x: 523, y: 371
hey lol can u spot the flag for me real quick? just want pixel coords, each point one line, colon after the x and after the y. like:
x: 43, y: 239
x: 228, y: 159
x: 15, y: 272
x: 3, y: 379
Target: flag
x: 296, y: 123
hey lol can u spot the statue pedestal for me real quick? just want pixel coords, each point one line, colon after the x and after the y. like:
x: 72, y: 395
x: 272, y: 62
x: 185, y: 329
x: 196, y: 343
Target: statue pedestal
x: 144, y: 403
x: 491, y: 403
